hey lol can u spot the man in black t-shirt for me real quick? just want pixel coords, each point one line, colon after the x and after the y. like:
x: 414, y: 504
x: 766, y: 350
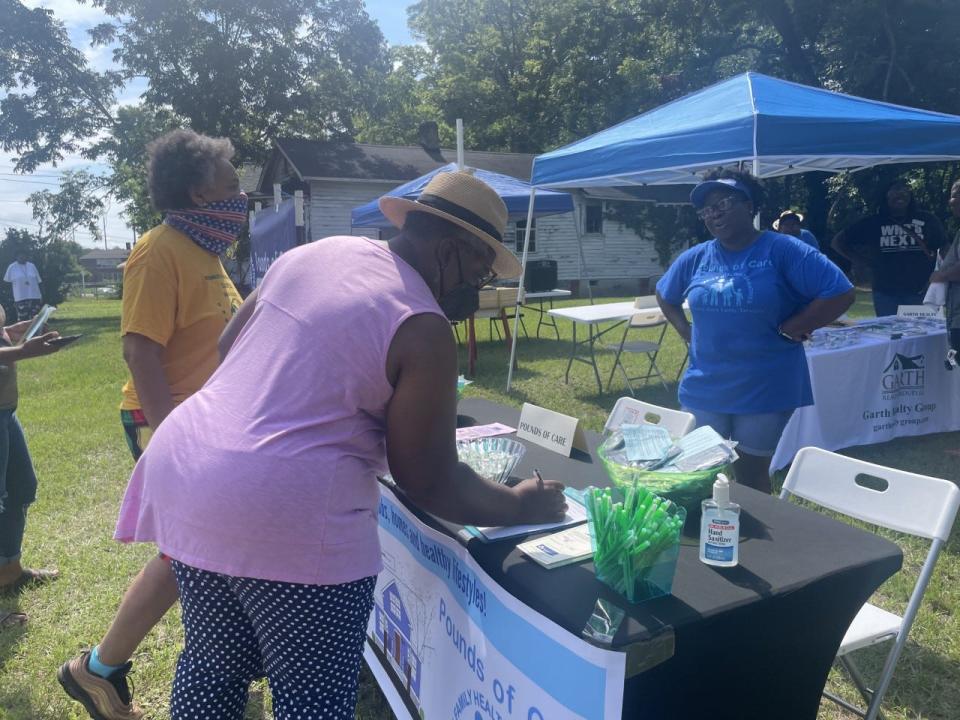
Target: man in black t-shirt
x: 899, y: 244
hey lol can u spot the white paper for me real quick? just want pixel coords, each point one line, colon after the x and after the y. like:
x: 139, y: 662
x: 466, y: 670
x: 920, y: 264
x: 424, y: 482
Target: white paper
x: 576, y: 513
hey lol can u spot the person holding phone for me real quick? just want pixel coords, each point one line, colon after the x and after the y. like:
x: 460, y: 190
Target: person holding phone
x: 18, y: 482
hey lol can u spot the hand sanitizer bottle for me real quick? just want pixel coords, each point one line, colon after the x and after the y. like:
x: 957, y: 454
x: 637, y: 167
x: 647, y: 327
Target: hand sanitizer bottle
x: 720, y: 527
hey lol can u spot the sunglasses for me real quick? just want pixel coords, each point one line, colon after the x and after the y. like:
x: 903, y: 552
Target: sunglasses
x: 720, y: 207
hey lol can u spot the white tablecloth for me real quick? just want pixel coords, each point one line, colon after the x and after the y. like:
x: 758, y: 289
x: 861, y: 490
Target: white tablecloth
x: 873, y: 392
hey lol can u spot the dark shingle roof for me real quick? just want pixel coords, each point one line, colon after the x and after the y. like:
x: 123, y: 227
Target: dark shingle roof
x: 249, y: 177
x: 337, y: 159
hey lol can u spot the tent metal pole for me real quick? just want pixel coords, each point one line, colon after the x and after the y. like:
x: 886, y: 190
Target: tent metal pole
x: 578, y: 228
x: 460, y: 144
x: 756, y: 174
x: 523, y: 273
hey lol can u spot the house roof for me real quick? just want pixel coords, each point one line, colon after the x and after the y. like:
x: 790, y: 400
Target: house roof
x: 394, y: 163
x: 250, y: 178
x: 110, y: 254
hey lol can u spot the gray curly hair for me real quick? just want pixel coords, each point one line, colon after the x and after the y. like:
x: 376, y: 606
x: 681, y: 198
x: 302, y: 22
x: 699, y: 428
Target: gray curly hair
x: 179, y: 162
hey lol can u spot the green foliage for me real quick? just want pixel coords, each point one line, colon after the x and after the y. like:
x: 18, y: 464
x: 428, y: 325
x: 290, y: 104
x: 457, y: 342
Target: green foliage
x: 51, y: 101
x: 125, y: 150
x: 401, y: 100
x: 56, y: 260
x: 78, y: 203
x: 249, y: 70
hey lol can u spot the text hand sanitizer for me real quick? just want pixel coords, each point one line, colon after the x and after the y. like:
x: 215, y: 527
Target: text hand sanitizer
x: 720, y: 527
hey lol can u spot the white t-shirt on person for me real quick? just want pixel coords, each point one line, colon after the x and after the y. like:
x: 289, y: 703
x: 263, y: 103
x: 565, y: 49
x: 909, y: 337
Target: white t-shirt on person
x: 25, y: 280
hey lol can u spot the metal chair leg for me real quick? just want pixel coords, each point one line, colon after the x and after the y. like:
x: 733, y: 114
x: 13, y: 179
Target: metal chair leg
x: 860, y: 683
x: 616, y: 361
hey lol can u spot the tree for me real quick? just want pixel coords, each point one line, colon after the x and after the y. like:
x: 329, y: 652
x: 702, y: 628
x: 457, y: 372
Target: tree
x: 78, y: 203
x: 401, y: 100
x: 53, y: 100
x: 530, y: 76
x: 249, y: 70
x: 125, y: 151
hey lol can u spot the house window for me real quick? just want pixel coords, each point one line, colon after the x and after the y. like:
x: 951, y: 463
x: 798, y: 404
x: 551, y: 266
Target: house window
x: 593, y: 219
x: 395, y: 608
x: 522, y: 230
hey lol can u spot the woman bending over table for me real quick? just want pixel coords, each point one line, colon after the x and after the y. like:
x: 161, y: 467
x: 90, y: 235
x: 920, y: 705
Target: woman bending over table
x: 754, y: 297
x: 262, y: 486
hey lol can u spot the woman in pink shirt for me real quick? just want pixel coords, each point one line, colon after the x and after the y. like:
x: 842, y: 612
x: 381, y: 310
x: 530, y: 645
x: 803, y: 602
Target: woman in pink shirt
x: 262, y: 486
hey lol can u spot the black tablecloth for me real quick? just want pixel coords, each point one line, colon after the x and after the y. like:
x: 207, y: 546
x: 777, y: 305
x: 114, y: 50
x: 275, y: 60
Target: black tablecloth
x: 754, y: 641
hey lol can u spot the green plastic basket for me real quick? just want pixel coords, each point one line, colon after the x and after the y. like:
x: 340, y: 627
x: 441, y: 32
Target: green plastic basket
x: 685, y: 489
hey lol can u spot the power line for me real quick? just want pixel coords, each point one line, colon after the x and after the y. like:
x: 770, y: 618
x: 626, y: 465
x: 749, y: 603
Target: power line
x: 31, y: 182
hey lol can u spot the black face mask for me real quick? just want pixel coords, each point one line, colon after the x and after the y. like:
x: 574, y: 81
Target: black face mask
x: 460, y: 302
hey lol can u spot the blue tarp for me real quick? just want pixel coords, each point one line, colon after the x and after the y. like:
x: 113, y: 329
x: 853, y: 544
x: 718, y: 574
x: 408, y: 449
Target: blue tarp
x: 789, y: 128
x: 515, y: 194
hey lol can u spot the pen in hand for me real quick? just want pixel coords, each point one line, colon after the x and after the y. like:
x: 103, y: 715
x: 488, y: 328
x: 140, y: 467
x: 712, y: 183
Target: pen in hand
x: 539, y: 477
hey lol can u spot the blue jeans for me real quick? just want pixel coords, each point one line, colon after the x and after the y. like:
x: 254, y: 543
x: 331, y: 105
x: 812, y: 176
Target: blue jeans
x: 886, y: 303
x: 18, y: 486
x: 756, y: 434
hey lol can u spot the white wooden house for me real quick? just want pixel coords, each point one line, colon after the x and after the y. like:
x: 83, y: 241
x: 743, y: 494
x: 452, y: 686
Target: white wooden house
x: 337, y: 177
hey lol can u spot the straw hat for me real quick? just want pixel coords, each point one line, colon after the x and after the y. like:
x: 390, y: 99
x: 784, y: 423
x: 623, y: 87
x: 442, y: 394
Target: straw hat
x: 466, y: 201
x: 786, y: 214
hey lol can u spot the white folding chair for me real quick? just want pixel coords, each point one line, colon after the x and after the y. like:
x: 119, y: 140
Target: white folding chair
x: 649, y: 316
x: 905, y: 502
x: 630, y: 410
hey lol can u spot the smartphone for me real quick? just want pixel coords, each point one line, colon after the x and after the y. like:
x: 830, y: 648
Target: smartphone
x: 64, y: 340
x: 38, y: 322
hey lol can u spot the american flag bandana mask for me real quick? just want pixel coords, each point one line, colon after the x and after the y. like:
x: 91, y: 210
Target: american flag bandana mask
x: 214, y: 226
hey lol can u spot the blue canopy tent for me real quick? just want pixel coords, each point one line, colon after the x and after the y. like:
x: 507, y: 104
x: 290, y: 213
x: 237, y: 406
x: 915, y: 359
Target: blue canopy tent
x: 514, y: 193
x: 778, y: 127
x: 773, y: 126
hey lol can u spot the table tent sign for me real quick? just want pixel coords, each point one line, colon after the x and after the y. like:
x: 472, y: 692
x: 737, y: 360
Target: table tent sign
x: 552, y: 430
x: 441, y: 632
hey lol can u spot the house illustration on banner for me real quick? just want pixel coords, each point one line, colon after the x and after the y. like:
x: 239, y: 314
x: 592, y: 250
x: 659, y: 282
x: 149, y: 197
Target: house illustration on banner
x: 393, y: 636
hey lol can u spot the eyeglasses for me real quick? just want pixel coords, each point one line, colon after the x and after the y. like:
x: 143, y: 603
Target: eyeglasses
x: 486, y: 279
x: 720, y: 207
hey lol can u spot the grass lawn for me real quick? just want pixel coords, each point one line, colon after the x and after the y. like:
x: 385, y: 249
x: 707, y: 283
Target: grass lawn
x: 69, y: 411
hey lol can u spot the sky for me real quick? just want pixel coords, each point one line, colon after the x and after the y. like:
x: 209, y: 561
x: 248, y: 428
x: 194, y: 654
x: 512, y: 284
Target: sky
x: 391, y: 15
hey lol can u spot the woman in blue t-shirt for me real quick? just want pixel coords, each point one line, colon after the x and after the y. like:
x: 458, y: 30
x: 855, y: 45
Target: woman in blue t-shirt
x: 754, y: 296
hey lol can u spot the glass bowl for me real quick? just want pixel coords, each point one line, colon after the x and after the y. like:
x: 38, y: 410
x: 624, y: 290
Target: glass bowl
x: 491, y: 458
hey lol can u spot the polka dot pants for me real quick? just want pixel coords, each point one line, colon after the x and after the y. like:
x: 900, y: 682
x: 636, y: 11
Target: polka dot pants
x: 306, y: 639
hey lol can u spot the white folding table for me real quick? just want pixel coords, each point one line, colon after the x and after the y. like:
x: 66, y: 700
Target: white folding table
x: 592, y: 316
x: 545, y: 319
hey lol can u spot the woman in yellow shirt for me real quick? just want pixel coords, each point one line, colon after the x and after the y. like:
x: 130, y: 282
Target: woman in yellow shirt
x: 177, y: 299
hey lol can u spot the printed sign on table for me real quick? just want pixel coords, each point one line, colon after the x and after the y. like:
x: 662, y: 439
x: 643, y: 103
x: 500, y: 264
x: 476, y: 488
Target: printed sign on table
x: 552, y: 430
x: 445, y: 641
